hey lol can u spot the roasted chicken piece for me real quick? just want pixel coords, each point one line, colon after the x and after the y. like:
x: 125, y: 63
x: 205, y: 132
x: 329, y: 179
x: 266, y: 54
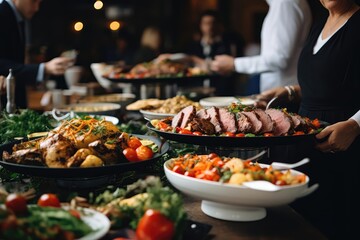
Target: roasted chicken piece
x: 57, y: 150
x: 82, y: 132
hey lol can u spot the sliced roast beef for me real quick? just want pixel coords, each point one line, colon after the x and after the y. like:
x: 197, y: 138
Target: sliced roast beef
x: 267, y: 122
x: 202, y: 113
x: 227, y: 120
x: 215, y: 118
x: 243, y: 123
x: 283, y: 122
x: 176, y: 121
x: 202, y: 125
x: 189, y: 114
x: 256, y: 124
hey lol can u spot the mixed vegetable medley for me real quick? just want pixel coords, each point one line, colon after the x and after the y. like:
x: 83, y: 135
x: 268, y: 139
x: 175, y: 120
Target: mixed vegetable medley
x: 230, y: 170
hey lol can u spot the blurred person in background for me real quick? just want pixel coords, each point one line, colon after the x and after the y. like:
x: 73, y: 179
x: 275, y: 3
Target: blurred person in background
x: 209, y: 40
x: 123, y: 49
x: 329, y: 87
x: 283, y: 33
x: 14, y: 20
x: 150, y: 45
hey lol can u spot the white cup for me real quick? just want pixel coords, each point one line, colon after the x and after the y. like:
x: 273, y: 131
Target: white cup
x: 73, y: 75
x: 57, y: 98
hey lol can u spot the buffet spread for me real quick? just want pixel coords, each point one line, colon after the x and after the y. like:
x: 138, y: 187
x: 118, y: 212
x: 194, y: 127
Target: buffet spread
x: 88, y: 148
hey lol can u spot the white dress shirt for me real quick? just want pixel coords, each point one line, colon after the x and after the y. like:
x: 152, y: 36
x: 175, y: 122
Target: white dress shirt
x: 283, y: 34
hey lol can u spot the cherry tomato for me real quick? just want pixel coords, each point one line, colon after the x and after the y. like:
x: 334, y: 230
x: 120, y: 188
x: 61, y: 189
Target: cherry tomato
x: 179, y: 169
x: 189, y: 173
x: 218, y: 162
x: 268, y: 134
x: 212, y: 155
x: 197, y: 133
x: 229, y: 134
x: 185, y: 131
x: 153, y: 225
x: 162, y: 126
x: 240, y: 135
x: 130, y: 154
x: 144, y: 153
x: 298, y: 133
x: 49, y: 200
x: 134, y: 143
x: 16, y: 203
x: 75, y: 213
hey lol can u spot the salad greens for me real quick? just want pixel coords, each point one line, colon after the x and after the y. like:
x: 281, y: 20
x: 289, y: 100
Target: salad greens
x: 46, y: 223
x: 21, y: 124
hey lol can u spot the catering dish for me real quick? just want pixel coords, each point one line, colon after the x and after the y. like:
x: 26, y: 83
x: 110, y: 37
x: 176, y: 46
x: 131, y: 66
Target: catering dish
x: 118, y: 164
x: 235, y: 202
x: 237, y: 124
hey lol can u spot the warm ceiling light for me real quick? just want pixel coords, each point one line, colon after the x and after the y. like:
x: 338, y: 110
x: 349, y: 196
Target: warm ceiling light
x: 114, y: 25
x: 78, y: 26
x: 98, y: 4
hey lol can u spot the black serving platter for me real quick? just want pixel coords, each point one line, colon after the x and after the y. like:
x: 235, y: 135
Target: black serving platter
x: 224, y: 141
x: 81, y: 173
x: 163, y: 80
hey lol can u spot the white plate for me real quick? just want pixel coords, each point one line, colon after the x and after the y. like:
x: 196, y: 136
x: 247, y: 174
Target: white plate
x: 112, y: 119
x: 153, y: 115
x: 236, y: 202
x: 97, y: 221
x: 225, y: 101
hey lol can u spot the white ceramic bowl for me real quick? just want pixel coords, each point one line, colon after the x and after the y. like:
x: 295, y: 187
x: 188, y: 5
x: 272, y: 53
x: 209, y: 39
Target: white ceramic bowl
x: 148, y: 115
x: 235, y: 202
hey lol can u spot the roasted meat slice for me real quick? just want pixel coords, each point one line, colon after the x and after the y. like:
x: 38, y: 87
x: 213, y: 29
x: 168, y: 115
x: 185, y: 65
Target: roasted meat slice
x: 284, y: 124
x: 243, y: 123
x: 256, y: 124
x: 227, y: 120
x: 30, y: 156
x: 267, y: 123
x: 202, y: 125
x: 215, y: 118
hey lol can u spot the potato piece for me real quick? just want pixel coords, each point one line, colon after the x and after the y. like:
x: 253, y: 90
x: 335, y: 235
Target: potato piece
x: 235, y: 165
x: 92, y: 161
x: 238, y: 178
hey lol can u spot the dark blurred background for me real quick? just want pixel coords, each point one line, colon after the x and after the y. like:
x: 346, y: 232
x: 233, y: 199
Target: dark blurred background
x: 53, y: 26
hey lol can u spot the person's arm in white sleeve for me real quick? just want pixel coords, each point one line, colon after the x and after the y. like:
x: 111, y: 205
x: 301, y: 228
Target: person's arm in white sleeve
x: 356, y: 117
x: 281, y: 30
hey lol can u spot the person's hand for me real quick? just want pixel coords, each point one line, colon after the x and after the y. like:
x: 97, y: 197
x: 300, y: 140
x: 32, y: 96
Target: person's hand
x: 338, y: 136
x: 223, y: 64
x: 2, y: 83
x: 264, y: 97
x: 58, y: 66
x: 162, y: 57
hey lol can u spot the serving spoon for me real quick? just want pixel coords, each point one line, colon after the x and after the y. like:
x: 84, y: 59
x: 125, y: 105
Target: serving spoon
x: 263, y: 185
x: 284, y: 166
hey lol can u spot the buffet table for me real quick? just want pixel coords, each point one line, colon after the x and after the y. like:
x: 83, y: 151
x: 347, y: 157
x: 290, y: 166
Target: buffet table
x: 280, y: 223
